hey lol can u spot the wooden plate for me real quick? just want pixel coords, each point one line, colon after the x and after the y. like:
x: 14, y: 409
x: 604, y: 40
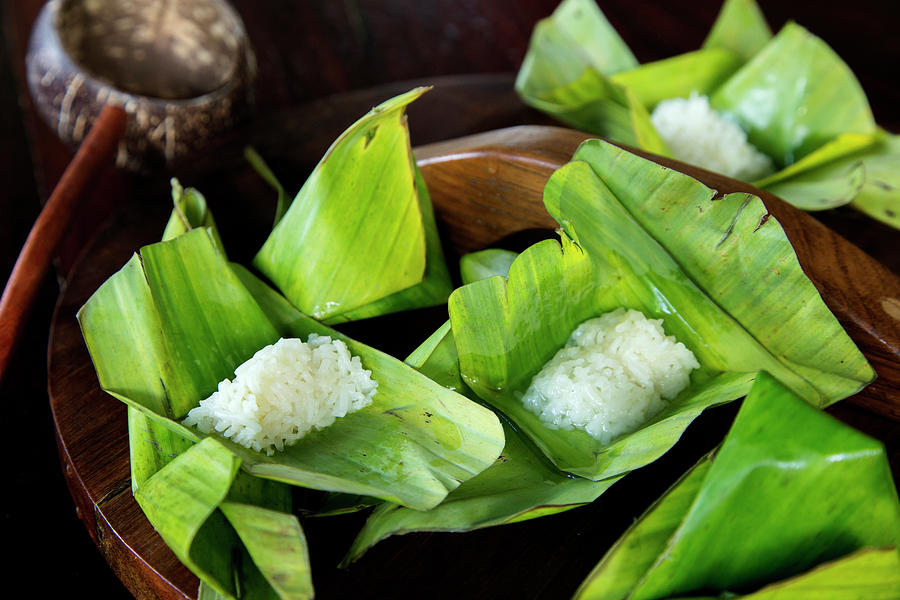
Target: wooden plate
x: 486, y: 190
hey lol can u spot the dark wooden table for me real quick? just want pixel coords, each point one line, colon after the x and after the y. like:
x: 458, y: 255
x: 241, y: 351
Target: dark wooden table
x: 308, y: 51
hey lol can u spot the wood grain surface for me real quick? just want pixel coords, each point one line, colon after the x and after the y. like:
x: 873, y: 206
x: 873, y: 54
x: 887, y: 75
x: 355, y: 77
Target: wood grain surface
x: 310, y: 55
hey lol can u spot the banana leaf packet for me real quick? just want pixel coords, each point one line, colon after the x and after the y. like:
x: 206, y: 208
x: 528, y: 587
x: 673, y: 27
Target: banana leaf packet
x: 637, y: 234
x: 189, y: 316
x: 808, y: 114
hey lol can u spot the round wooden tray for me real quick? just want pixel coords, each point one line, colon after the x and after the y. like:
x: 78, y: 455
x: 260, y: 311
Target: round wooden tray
x: 486, y: 190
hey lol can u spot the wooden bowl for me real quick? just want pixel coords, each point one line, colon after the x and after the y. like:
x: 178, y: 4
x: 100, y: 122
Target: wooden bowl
x: 182, y: 70
x: 486, y: 190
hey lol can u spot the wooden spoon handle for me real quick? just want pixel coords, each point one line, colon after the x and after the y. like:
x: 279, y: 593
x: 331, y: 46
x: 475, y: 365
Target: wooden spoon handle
x: 95, y: 152
x: 498, y: 178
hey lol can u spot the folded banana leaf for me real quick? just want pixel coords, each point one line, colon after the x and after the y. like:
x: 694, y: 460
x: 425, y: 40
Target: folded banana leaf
x: 868, y: 574
x: 789, y: 108
x: 519, y: 486
x: 720, y: 274
x: 232, y: 530
x: 787, y: 490
x: 804, y: 113
x: 566, y: 74
x: 265, y: 555
x: 359, y: 240
x: 741, y: 28
x: 191, y: 320
x: 485, y: 263
x: 580, y: 71
x: 869, y: 179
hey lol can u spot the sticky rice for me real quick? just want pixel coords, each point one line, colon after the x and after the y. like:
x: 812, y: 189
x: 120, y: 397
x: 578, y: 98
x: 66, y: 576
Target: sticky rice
x: 697, y: 134
x: 614, y: 374
x: 284, y: 391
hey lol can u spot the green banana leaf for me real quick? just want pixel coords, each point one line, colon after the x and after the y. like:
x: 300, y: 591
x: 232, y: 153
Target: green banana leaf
x: 273, y: 558
x: 641, y: 236
x: 789, y: 108
x: 565, y: 74
x: 804, y: 113
x: 869, y: 174
x: 151, y: 446
x: 519, y: 486
x: 733, y: 250
x: 880, y: 194
x: 700, y: 71
x: 189, y: 212
x: 580, y: 71
x: 185, y: 515
x: 576, y: 37
x: 485, y: 263
x: 869, y: 574
x: 259, y: 165
x: 787, y: 490
x: 193, y: 319
x: 741, y: 28
x: 360, y: 230
x: 234, y: 531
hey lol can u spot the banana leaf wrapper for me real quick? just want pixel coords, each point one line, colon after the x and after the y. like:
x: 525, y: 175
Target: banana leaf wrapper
x: 787, y: 491
x: 521, y: 484
x: 359, y: 239
x: 740, y: 28
x: 719, y: 272
x: 580, y: 71
x: 808, y: 114
x: 258, y: 549
x: 234, y: 531
x: 190, y: 318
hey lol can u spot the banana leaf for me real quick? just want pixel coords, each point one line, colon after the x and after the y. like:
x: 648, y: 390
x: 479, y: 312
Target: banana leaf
x: 234, y: 531
x: 880, y: 194
x: 731, y: 248
x: 741, y: 28
x: 566, y: 71
x: 485, y: 263
x: 787, y: 490
x: 360, y: 231
x: 638, y: 235
x: 192, y: 320
x: 272, y: 560
x: 190, y: 211
x: 519, y: 486
x: 869, y: 174
x: 868, y: 574
x: 804, y: 113
x: 789, y: 108
x: 700, y: 71
x: 259, y: 165
x: 580, y: 71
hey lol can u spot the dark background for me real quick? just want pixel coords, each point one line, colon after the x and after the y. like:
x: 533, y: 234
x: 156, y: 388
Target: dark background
x: 307, y: 51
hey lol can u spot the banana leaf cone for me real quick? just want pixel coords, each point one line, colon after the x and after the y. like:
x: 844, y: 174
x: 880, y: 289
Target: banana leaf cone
x: 719, y: 273
x: 793, y: 504
x: 519, y: 486
x: 235, y: 532
x: 359, y: 240
x: 189, y: 317
x: 808, y: 114
x: 580, y: 71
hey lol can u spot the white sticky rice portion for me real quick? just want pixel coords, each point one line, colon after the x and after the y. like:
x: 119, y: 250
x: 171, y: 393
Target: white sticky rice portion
x: 613, y: 375
x: 697, y: 134
x: 284, y: 391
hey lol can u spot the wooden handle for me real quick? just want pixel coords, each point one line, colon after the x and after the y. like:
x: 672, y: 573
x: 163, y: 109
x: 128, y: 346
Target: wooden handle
x: 95, y: 152
x: 500, y: 175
